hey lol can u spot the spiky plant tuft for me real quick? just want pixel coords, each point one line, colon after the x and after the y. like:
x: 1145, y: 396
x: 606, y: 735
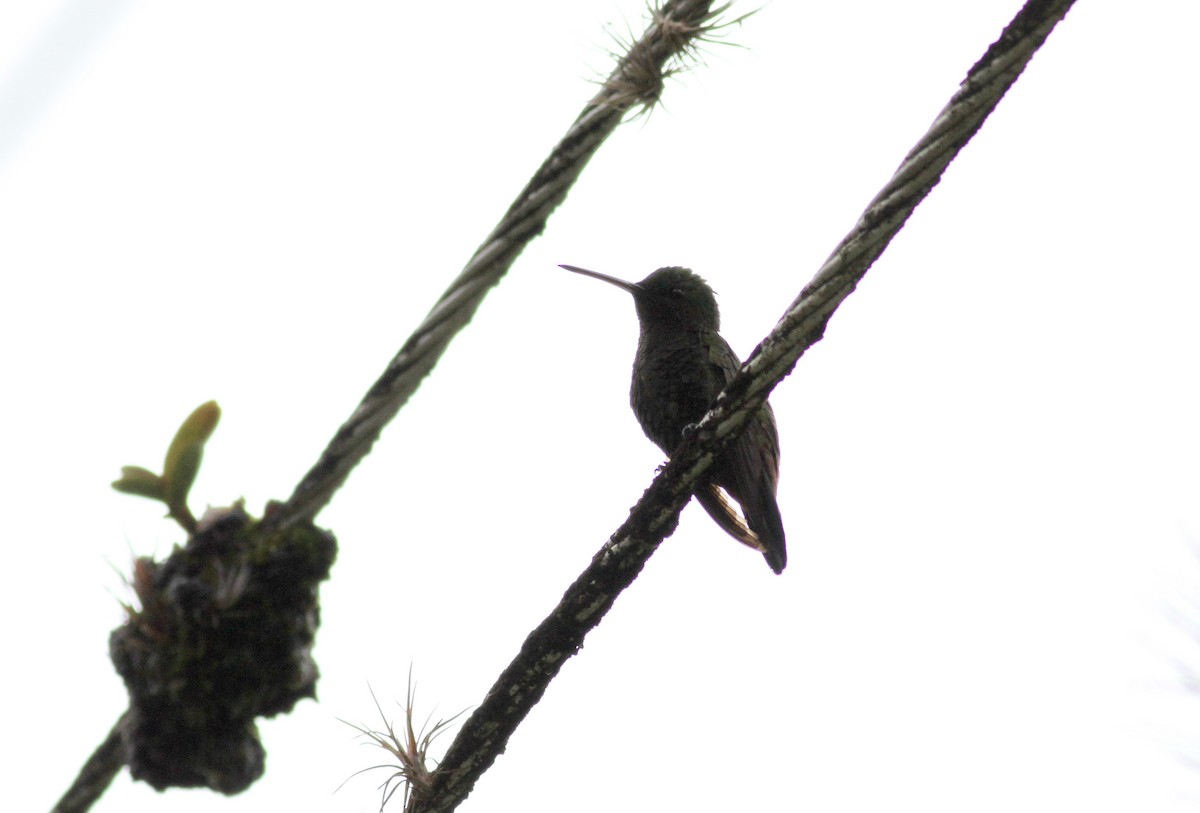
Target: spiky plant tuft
x: 644, y: 64
x: 412, y: 769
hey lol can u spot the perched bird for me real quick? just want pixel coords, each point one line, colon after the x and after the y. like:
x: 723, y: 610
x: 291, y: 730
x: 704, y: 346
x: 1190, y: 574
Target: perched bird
x: 682, y: 363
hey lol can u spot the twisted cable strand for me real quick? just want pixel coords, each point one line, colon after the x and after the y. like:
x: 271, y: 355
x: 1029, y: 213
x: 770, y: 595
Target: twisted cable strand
x: 637, y: 79
x: 96, y: 775
x: 484, y: 735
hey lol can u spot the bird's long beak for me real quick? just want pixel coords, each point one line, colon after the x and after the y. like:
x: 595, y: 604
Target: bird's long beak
x: 632, y: 287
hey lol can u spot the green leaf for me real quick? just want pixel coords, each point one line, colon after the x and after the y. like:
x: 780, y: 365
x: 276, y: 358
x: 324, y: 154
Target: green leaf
x: 179, y: 468
x: 179, y: 483
x: 189, y: 441
x: 142, y: 482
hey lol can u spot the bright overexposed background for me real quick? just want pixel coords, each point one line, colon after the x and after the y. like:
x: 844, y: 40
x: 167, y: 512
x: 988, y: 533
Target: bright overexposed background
x: 991, y: 464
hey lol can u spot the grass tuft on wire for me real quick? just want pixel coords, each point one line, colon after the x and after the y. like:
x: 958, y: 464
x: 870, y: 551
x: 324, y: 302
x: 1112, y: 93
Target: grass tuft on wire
x: 640, y: 82
x: 413, y: 767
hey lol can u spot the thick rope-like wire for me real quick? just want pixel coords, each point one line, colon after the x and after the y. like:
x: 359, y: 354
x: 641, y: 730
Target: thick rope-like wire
x: 637, y: 80
x: 98, y: 772
x: 485, y: 733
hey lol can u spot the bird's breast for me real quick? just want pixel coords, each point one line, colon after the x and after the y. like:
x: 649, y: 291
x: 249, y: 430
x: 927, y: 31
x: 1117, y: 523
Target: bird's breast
x: 673, y: 384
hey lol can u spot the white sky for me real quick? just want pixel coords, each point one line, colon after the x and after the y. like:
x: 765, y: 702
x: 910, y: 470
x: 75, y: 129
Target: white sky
x: 990, y: 471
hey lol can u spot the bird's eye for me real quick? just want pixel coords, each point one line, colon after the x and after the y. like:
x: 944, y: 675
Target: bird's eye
x: 677, y: 292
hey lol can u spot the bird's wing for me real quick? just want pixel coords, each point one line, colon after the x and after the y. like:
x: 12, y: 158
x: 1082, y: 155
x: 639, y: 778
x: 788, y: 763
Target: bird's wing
x: 757, y: 451
x: 748, y: 470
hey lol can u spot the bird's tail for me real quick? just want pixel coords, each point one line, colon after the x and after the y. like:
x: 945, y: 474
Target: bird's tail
x: 764, y: 519
x: 762, y: 529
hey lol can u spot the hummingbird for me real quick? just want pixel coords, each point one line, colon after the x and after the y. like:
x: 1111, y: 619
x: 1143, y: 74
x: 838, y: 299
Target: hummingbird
x: 682, y: 363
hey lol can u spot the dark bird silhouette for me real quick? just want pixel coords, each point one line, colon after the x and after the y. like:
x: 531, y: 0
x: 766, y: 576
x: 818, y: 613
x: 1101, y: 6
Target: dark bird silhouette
x: 682, y: 363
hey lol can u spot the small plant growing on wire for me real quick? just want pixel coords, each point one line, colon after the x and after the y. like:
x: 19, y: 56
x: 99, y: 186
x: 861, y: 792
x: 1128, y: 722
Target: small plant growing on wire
x: 412, y: 769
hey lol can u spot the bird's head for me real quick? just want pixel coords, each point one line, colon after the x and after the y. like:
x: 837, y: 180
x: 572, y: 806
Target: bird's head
x: 671, y: 296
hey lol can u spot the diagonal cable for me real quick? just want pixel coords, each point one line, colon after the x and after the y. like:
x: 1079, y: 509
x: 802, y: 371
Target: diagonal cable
x: 675, y: 28
x: 637, y: 80
x: 485, y: 734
